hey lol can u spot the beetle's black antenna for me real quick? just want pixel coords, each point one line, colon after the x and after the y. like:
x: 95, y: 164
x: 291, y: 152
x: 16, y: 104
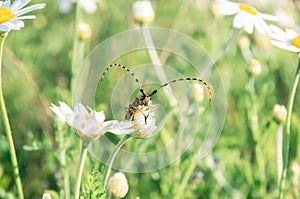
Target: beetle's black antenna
x: 125, y: 68
x: 184, y: 79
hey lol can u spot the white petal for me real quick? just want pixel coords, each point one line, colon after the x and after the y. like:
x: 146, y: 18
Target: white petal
x: 18, y: 4
x: 29, y: 9
x: 121, y: 128
x: 227, y: 7
x: 6, y: 4
x: 64, y: 112
x: 261, y: 26
x: 268, y: 17
x: 249, y: 27
x: 90, y: 127
x: 285, y: 46
x: 291, y: 33
x: 99, y: 116
x: 278, y: 34
x: 4, y: 27
x: 79, y: 109
x: 240, y: 20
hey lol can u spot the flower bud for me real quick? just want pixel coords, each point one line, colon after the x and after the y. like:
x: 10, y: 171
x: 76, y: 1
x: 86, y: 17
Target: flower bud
x: 244, y: 42
x: 84, y: 31
x: 46, y: 196
x: 199, y: 92
x: 118, y: 185
x: 279, y: 113
x: 295, y: 167
x: 262, y: 41
x: 142, y: 11
x: 254, y: 67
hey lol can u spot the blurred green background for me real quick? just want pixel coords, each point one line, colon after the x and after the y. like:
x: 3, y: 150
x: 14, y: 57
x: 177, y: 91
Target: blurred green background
x: 37, y: 72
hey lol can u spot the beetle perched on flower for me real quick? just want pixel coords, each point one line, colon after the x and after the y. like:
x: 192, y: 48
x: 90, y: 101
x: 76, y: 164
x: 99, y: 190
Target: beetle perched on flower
x: 11, y: 15
x: 141, y: 111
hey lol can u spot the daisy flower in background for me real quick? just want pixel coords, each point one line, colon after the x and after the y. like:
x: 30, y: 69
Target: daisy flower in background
x: 89, y: 124
x: 287, y: 40
x: 11, y: 15
x: 89, y: 6
x: 246, y: 16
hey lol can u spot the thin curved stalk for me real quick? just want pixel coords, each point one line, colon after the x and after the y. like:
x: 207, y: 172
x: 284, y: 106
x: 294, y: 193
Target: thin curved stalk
x: 7, y: 128
x: 112, y: 157
x: 224, y: 46
x: 287, y: 133
x: 80, y: 170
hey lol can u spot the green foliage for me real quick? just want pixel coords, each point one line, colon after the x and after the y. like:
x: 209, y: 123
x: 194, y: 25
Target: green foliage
x: 94, y: 188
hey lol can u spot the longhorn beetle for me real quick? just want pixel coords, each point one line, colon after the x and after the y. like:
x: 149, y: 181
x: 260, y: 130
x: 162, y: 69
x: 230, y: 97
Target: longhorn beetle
x: 144, y: 100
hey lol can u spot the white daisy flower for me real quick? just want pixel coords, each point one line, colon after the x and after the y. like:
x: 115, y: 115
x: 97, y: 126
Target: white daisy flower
x: 246, y: 16
x: 11, y: 15
x: 287, y: 40
x: 89, y: 124
x: 144, y: 122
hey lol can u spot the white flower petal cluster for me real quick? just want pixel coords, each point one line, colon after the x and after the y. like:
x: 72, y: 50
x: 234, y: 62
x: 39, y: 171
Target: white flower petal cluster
x: 287, y: 40
x: 89, y: 124
x: 11, y: 15
x: 144, y: 121
x: 246, y: 16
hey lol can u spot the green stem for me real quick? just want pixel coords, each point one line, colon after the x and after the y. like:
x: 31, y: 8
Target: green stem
x: 112, y: 157
x: 66, y: 184
x: 279, y: 151
x: 287, y: 133
x: 224, y: 46
x: 254, y: 126
x: 78, y: 47
x: 80, y: 170
x: 185, y: 179
x: 7, y: 128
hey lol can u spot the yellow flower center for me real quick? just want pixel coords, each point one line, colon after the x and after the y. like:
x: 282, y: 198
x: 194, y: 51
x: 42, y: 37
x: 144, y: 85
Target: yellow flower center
x: 247, y: 8
x: 101, y: 125
x: 5, y: 15
x: 296, y: 41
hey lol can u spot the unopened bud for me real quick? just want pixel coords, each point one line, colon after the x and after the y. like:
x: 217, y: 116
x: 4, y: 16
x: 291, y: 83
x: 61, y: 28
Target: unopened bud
x: 244, y: 42
x: 262, y: 41
x: 84, y: 31
x: 295, y: 167
x: 279, y: 113
x: 142, y: 11
x: 199, y: 92
x: 118, y: 185
x: 254, y: 67
x: 46, y: 196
